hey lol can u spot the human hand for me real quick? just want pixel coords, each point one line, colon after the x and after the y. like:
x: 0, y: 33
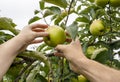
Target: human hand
x: 71, y: 51
x: 31, y: 32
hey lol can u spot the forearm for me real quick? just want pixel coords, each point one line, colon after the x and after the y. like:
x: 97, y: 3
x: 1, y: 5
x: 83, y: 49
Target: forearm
x: 97, y: 72
x: 8, y: 52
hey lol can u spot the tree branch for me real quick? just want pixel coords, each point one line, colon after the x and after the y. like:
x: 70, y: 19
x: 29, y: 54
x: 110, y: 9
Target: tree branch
x: 69, y: 11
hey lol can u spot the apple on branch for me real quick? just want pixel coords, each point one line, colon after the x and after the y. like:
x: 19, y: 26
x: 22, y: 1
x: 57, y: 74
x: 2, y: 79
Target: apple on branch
x: 115, y: 3
x: 97, y: 28
x: 56, y: 36
x: 101, y: 3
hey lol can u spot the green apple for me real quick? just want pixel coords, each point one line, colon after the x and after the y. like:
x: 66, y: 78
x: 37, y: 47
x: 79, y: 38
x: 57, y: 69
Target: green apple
x: 101, y: 3
x: 115, y: 3
x: 91, y: 0
x: 97, y: 28
x: 56, y: 36
x: 89, y: 51
x: 81, y: 78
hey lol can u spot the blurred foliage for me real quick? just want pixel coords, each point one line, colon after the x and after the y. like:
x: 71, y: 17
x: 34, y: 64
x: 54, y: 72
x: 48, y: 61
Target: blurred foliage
x: 75, y: 16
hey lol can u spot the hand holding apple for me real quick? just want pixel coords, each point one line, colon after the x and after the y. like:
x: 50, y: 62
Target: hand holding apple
x: 56, y: 36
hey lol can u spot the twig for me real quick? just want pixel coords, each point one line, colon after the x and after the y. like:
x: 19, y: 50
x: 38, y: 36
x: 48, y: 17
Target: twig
x: 69, y: 11
x: 22, y: 71
x: 44, y: 18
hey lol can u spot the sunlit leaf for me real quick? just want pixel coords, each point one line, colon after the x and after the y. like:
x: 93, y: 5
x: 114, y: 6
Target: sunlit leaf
x: 72, y: 30
x: 61, y: 3
x: 47, y: 13
x: 36, y: 18
x: 42, y: 4
x: 7, y: 24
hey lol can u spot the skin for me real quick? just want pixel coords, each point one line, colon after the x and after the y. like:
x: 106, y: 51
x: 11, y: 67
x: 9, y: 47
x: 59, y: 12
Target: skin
x: 92, y: 70
x: 10, y: 49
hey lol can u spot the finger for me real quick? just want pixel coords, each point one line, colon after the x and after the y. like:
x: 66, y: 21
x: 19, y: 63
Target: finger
x: 41, y: 34
x: 67, y: 34
x: 36, y: 41
x: 38, y: 26
x: 58, y: 54
x: 38, y: 30
x: 76, y: 41
x: 60, y: 48
x: 68, y: 40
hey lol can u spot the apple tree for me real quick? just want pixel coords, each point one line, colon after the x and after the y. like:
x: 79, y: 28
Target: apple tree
x: 94, y: 22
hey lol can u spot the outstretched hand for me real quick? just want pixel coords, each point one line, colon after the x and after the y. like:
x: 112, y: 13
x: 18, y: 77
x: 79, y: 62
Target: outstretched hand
x: 71, y: 52
x: 31, y: 32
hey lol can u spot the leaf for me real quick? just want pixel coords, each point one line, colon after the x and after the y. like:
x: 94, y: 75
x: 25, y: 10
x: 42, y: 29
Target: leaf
x: 72, y: 30
x: 61, y: 3
x: 115, y: 44
x: 7, y: 24
x: 83, y: 19
x: 103, y: 55
x: 5, y: 37
x: 36, y: 12
x: 47, y: 13
x: 37, y: 55
x: 36, y: 18
x: 55, y: 10
x: 39, y: 78
x: 41, y: 4
x: 98, y: 51
x: 14, y: 70
x: 39, y: 48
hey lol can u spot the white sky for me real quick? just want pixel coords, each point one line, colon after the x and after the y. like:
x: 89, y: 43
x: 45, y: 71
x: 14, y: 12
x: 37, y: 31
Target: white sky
x: 21, y: 11
x: 18, y: 10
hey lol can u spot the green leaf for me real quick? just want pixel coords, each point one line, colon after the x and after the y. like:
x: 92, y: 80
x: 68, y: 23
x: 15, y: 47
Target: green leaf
x: 5, y: 37
x: 37, y: 55
x: 34, y: 19
x: 55, y: 10
x: 115, y: 44
x: 98, y: 51
x: 83, y: 19
x: 47, y: 13
x: 15, y: 70
x: 36, y: 12
x: 61, y: 3
x: 7, y: 24
x: 102, y: 55
x: 42, y: 4
x: 72, y: 30
x: 39, y: 78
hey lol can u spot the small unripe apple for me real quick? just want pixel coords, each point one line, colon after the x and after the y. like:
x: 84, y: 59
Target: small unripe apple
x: 115, y: 3
x: 81, y: 78
x: 97, y: 28
x: 101, y: 3
x: 91, y: 0
x: 56, y: 36
x: 89, y: 51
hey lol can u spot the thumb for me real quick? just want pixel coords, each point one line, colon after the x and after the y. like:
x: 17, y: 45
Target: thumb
x: 60, y: 48
x: 77, y: 42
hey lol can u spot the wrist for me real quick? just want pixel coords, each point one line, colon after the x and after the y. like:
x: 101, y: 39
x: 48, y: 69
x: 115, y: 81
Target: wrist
x: 20, y: 39
x: 81, y: 62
